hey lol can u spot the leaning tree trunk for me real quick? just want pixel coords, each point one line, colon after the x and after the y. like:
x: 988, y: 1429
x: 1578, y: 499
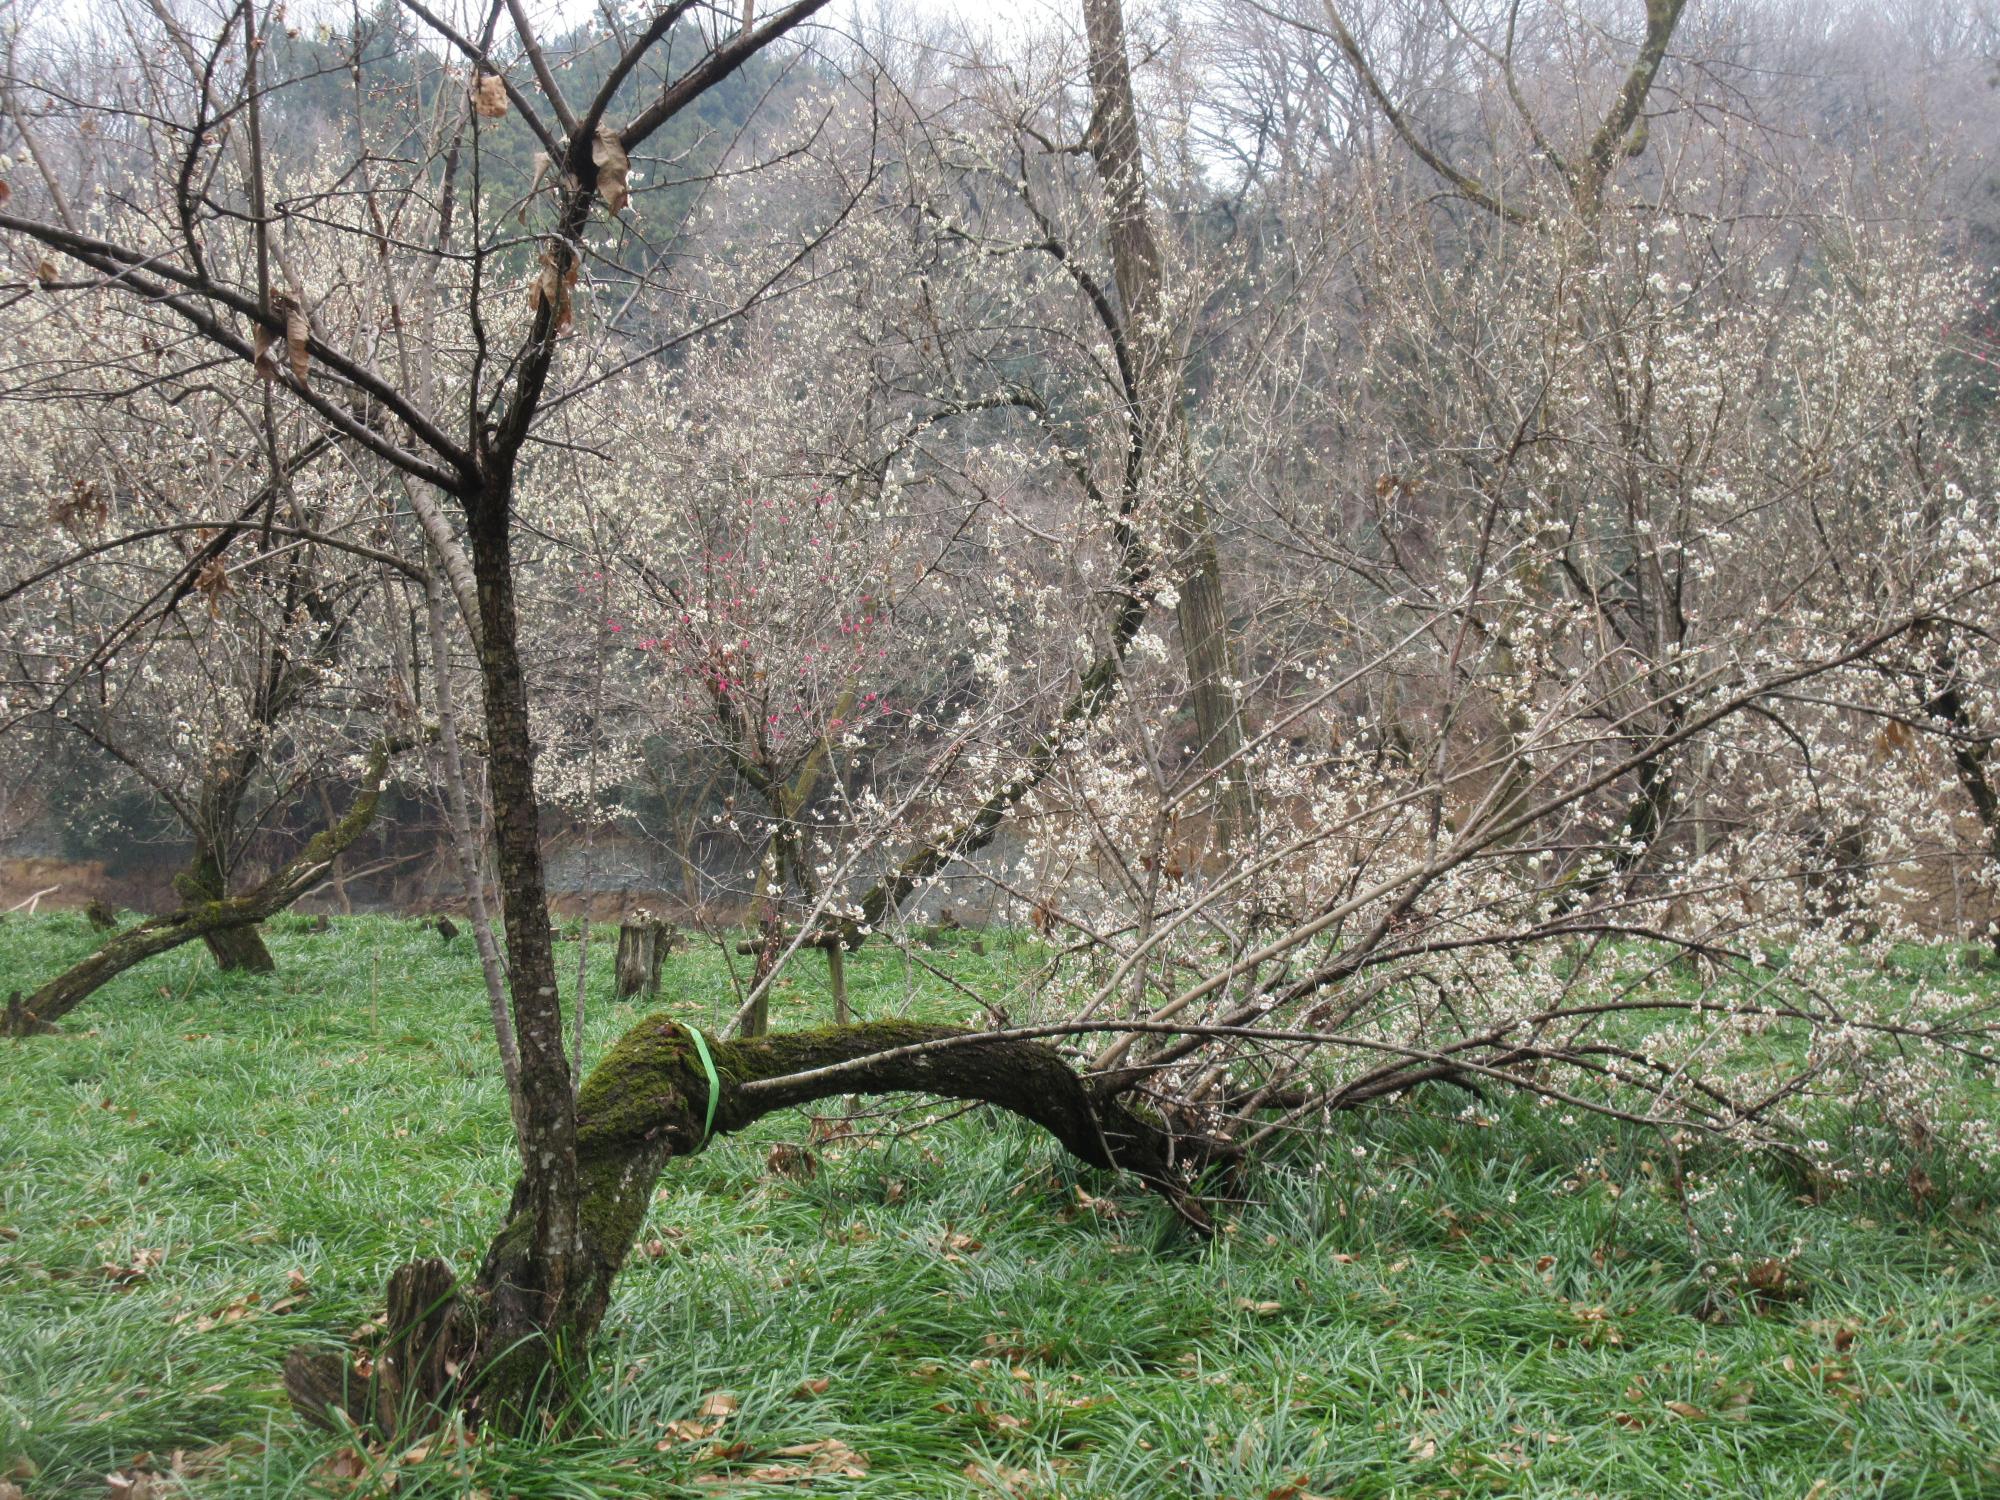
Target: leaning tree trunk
x: 208, y: 919
x: 648, y: 1102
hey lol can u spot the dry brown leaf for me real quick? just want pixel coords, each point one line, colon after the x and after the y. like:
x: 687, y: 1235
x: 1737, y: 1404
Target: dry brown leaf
x: 1686, y: 1410
x: 999, y: 1421
x: 489, y: 96
x: 143, y: 1261
x: 789, y: 1159
x: 718, y: 1404
x: 292, y: 313
x: 1261, y: 1309
x: 828, y: 1456
x: 815, y: 1387
x: 551, y: 283
x: 1000, y: 1477
x: 608, y: 154
x: 297, y: 332
x: 212, y: 583
x: 686, y: 1430
x: 9, y: 1490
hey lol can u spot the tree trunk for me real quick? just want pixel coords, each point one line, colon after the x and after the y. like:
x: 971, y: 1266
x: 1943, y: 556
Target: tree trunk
x: 1202, y: 611
x: 239, y: 948
x: 205, y: 881
x: 647, y: 1103
x: 207, y: 919
x: 531, y: 1295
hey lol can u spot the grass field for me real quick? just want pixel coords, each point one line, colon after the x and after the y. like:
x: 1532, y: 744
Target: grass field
x: 207, y: 1170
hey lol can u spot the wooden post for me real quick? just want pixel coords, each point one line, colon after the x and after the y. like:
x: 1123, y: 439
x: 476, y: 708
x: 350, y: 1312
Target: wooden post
x: 836, y: 971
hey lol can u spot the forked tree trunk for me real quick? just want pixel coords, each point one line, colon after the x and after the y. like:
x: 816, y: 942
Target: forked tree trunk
x: 204, y: 882
x: 239, y: 948
x: 646, y: 1104
x: 225, y: 919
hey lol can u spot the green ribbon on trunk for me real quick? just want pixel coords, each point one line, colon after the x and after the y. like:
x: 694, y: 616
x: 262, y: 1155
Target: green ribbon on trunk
x: 714, y: 1082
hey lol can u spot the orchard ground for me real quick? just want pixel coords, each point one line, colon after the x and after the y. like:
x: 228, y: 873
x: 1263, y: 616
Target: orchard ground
x: 206, y: 1170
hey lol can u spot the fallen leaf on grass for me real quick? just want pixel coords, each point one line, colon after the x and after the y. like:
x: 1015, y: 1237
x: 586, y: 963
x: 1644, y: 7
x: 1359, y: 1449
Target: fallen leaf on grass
x: 719, y: 1404
x: 807, y: 1388
x: 1001, y: 1478
x: 999, y: 1421
x: 143, y: 1262
x: 686, y: 1430
x: 1261, y: 1309
x: 763, y: 1474
x: 828, y: 1456
x: 1103, y: 1207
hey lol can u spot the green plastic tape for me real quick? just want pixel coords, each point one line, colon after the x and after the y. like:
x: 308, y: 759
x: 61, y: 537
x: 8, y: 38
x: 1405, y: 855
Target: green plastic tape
x: 714, y: 1082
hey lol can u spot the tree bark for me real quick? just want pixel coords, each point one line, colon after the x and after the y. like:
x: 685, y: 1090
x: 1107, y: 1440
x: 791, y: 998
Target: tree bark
x: 1202, y: 612
x: 224, y: 918
x: 647, y: 1103
x: 532, y: 1299
x: 206, y: 878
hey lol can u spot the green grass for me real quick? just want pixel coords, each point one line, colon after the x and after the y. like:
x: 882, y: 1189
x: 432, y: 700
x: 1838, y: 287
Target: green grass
x: 1422, y: 1307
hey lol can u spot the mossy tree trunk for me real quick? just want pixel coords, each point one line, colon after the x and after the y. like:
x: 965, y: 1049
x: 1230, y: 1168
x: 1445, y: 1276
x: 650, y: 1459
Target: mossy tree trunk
x: 645, y: 1104
x: 206, y: 882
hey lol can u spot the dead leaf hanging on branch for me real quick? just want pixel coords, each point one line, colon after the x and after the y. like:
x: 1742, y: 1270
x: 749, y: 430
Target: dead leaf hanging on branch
x: 297, y: 331
x: 613, y: 168
x: 551, y: 283
x: 212, y: 583
x: 489, y: 96
x: 82, y: 510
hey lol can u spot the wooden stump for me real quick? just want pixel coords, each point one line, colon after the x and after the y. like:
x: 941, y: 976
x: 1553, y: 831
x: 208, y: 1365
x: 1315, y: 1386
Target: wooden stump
x: 643, y: 946
x: 411, y: 1386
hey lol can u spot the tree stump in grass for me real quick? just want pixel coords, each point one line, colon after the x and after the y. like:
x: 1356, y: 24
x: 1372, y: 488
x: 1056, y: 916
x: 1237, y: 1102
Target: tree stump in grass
x: 643, y: 945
